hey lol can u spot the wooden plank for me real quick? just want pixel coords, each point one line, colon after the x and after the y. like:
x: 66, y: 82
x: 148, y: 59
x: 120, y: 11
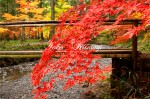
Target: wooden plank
x: 53, y: 22
x: 106, y: 51
x: 102, y: 53
x: 114, y: 55
x: 20, y: 52
x: 37, y: 56
x: 20, y: 56
x: 117, y: 51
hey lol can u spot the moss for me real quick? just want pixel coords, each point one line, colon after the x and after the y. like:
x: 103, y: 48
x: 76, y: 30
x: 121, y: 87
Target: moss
x: 18, y: 45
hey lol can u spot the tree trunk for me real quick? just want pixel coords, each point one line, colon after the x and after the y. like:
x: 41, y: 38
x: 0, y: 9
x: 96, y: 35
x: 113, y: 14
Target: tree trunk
x: 52, y: 18
x: 23, y: 34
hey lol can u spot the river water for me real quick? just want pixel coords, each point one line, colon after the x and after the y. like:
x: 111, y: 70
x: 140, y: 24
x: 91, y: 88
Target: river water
x: 15, y: 82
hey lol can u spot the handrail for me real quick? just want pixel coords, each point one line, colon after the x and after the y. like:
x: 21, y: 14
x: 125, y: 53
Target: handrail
x: 108, y: 53
x: 58, y: 22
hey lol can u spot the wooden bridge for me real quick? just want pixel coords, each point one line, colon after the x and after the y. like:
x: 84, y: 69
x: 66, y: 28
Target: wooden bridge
x: 117, y: 53
x: 131, y: 58
x: 133, y: 22
x: 143, y: 59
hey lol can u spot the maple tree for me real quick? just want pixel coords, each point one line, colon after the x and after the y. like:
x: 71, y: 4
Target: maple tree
x: 76, y: 60
x: 26, y: 11
x: 34, y: 10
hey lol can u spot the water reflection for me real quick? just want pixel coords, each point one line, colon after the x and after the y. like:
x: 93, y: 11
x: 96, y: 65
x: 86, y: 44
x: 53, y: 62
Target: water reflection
x: 11, y: 74
x: 15, y: 72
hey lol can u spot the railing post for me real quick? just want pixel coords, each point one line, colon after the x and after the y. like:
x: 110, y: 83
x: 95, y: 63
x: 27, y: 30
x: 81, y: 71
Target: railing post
x: 134, y: 47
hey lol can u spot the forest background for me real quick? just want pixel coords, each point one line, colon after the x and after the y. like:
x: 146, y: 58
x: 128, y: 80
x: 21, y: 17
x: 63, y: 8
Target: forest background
x: 20, y: 38
x: 35, y: 10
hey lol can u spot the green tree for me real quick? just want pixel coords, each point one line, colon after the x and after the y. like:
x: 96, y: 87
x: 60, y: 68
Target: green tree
x: 7, y: 6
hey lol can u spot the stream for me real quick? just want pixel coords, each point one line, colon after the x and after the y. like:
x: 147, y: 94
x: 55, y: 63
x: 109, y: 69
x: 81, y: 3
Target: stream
x: 15, y: 82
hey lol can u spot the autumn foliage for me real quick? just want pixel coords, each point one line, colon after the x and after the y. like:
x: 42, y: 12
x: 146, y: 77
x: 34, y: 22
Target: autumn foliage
x: 32, y: 10
x: 89, y: 19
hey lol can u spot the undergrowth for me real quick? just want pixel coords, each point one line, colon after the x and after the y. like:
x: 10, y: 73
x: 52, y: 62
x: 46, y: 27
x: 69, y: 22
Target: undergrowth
x: 19, y: 45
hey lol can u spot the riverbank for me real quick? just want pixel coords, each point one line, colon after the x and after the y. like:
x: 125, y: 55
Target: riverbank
x: 21, y: 87
x: 5, y: 62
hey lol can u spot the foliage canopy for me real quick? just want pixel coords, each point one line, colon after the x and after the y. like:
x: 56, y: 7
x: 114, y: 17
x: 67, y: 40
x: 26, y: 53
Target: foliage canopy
x: 77, y: 60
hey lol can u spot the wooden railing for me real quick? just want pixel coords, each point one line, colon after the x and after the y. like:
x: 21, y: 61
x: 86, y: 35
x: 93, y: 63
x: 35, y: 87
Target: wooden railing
x: 107, y: 53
